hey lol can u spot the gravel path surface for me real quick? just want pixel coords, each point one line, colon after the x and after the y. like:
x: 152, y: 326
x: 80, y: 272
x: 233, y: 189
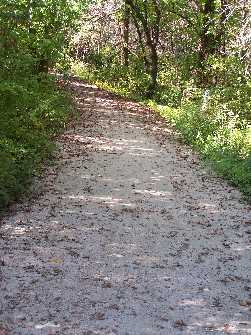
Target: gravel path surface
x: 130, y: 236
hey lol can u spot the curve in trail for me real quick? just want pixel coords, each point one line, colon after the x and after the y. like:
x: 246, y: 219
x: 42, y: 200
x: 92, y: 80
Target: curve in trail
x: 130, y: 236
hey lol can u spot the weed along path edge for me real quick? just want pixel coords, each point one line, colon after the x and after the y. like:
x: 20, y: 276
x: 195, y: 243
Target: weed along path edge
x: 131, y: 236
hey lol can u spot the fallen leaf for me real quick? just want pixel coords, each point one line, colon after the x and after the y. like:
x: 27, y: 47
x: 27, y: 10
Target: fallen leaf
x: 245, y: 302
x: 98, y: 316
x: 242, y: 303
x: 179, y: 324
x: 107, y: 285
x: 56, y: 260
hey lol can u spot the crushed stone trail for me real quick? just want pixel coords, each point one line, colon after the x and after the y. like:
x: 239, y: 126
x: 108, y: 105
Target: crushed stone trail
x: 130, y: 236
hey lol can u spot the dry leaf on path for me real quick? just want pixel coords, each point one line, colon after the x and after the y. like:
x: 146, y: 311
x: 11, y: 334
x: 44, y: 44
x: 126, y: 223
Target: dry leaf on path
x: 56, y: 260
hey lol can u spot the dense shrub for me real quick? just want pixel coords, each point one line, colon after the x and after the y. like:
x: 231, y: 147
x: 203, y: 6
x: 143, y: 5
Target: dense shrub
x: 31, y: 112
x: 34, y: 35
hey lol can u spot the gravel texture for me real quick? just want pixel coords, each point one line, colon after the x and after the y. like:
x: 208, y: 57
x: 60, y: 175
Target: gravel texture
x: 129, y: 235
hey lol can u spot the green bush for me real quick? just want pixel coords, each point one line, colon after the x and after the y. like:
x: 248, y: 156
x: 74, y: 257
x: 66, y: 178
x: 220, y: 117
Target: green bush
x: 31, y: 113
x: 224, y: 141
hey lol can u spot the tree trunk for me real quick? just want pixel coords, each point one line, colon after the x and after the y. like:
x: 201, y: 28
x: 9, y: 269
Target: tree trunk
x: 208, y: 41
x: 126, y: 34
x: 151, y: 31
x: 154, y: 70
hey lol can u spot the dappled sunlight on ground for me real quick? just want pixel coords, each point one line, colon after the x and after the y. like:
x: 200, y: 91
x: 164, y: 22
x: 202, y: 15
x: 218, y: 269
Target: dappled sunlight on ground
x: 130, y: 236
x: 101, y: 199
x: 111, y: 144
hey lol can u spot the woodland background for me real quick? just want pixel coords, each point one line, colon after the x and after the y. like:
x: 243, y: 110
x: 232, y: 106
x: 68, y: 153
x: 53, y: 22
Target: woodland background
x: 189, y: 60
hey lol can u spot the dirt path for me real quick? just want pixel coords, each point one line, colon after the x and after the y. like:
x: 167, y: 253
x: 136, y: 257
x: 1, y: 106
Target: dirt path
x: 130, y: 237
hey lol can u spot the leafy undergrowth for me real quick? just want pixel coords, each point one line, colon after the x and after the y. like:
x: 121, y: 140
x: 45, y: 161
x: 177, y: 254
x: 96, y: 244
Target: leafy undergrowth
x: 118, y: 80
x: 221, y: 137
x: 218, y: 138
x: 32, y: 111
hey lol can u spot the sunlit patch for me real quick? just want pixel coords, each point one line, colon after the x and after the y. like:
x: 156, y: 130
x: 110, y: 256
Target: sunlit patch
x: 85, y: 85
x: 103, y: 100
x: 154, y: 193
x: 130, y: 247
x: 47, y: 325
x: 101, y: 199
x: 20, y: 230
x: 88, y: 99
x: 142, y: 154
x: 207, y: 205
x: 158, y: 178
x: 132, y: 147
x: 195, y: 302
x: 89, y: 213
x: 116, y: 255
x: 121, y: 180
x: 114, y: 245
x: 7, y: 227
x: 242, y: 248
x: 77, y: 84
x: 143, y: 149
x: 131, y: 113
x: 158, y: 129
x: 134, y: 126
x: 231, y: 327
x: 86, y: 176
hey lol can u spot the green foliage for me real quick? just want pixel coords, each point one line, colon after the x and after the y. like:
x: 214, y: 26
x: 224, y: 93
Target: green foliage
x: 31, y: 114
x: 233, y: 85
x: 33, y: 36
x: 224, y: 140
x: 104, y: 71
x: 39, y: 29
